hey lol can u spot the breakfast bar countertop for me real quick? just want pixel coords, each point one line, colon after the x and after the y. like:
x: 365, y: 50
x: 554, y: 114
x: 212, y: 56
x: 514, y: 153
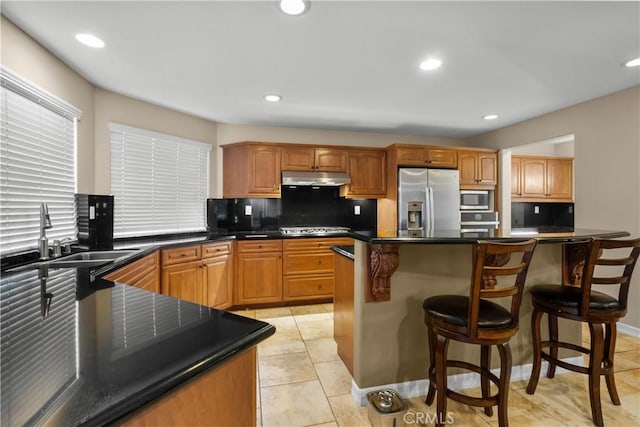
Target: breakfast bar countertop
x: 80, y: 352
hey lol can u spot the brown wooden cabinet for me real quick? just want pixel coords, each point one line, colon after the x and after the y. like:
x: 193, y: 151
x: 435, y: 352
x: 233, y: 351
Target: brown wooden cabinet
x: 143, y: 273
x: 310, y: 159
x: 258, y: 272
x: 343, y: 307
x: 183, y: 281
x: 251, y: 170
x: 202, y: 274
x: 426, y: 156
x: 536, y: 178
x: 308, y: 268
x: 217, y: 263
x: 368, y: 172
x: 478, y: 169
x: 223, y: 396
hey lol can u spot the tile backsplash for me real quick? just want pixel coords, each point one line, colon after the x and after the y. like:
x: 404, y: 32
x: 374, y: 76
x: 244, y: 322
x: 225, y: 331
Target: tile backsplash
x: 298, y: 206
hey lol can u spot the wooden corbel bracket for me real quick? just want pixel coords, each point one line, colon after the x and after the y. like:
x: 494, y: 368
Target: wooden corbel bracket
x: 382, y: 262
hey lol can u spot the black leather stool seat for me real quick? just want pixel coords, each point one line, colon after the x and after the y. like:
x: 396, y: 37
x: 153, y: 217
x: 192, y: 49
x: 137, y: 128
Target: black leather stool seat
x: 454, y: 309
x: 569, y: 297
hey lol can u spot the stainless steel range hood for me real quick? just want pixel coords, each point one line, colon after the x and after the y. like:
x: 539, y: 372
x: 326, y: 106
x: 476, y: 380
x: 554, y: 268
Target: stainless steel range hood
x: 315, y: 178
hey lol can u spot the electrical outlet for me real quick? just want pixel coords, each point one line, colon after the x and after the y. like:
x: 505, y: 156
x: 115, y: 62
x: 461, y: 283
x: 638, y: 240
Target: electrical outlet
x: 536, y: 210
x: 247, y: 210
x: 356, y: 210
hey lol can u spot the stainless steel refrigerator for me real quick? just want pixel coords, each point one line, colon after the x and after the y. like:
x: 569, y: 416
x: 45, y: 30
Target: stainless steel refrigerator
x: 428, y: 199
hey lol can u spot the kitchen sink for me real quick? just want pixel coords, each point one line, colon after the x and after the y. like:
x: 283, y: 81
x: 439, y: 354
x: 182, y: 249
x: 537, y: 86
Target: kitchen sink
x: 77, y: 260
x: 93, y: 256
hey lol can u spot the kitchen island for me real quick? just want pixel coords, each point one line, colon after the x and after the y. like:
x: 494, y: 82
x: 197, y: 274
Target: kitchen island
x: 77, y: 351
x: 389, y: 336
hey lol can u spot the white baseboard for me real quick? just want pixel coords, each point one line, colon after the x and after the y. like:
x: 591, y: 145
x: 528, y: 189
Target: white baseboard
x: 629, y: 330
x: 417, y: 388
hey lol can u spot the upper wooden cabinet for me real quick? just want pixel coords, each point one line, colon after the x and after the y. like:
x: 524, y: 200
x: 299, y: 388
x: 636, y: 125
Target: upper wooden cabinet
x: 314, y: 159
x: 426, y: 156
x: 251, y: 170
x: 478, y: 169
x: 368, y: 172
x: 541, y: 178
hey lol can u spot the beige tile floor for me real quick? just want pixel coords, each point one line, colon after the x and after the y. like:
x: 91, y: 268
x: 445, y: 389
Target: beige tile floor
x: 303, y: 382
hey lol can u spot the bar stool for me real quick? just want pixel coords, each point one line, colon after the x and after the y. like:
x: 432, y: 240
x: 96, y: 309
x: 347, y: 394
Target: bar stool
x: 583, y: 304
x: 474, y: 319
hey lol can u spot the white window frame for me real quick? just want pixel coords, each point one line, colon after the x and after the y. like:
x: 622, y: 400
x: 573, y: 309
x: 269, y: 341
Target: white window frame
x: 160, y: 182
x: 38, y: 159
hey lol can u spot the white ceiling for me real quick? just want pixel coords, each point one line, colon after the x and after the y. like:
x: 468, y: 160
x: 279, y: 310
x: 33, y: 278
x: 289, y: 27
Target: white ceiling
x: 348, y: 64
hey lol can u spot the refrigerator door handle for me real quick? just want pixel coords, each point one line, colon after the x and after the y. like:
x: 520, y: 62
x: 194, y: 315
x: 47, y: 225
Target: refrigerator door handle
x: 432, y: 221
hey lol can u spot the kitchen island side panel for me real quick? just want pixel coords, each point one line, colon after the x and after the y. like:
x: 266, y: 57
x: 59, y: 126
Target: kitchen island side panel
x: 391, y: 337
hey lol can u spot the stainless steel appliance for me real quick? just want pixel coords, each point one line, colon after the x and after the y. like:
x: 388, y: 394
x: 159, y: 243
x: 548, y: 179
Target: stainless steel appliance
x: 428, y: 199
x: 314, y: 231
x: 476, y: 200
x: 478, y: 222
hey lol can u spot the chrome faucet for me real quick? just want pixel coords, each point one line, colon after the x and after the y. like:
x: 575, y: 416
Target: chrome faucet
x: 45, y: 223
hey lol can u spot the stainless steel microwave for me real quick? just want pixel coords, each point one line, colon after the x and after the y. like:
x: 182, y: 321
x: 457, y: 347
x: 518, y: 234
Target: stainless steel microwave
x: 476, y: 200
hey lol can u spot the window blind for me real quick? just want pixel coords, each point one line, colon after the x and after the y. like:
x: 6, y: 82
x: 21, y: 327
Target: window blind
x: 37, y: 159
x: 159, y: 182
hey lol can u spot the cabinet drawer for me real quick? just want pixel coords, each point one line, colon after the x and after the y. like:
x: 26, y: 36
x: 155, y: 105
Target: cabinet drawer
x: 314, y: 244
x: 308, y: 287
x: 182, y: 254
x: 260, y: 246
x: 215, y: 249
x: 307, y: 262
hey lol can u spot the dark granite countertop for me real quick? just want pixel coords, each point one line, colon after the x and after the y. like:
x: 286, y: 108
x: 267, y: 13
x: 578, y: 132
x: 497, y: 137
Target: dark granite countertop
x: 101, y: 350
x: 456, y: 237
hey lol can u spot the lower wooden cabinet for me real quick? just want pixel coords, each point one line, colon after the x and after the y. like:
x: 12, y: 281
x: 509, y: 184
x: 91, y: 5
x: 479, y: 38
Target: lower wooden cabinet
x: 224, y: 396
x: 143, y: 273
x: 202, y: 274
x: 343, y: 306
x: 308, y: 268
x: 258, y: 272
x: 183, y: 281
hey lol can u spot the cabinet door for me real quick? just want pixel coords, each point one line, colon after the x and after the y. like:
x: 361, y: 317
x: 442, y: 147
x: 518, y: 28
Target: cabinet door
x: 560, y: 179
x: 467, y: 165
x: 183, y: 281
x: 259, y: 278
x: 143, y: 273
x: 534, y: 172
x: 516, y: 190
x: 441, y: 158
x: 218, y: 281
x: 330, y: 160
x: 368, y: 172
x: 410, y: 156
x: 298, y: 159
x: 265, y: 170
x: 487, y: 169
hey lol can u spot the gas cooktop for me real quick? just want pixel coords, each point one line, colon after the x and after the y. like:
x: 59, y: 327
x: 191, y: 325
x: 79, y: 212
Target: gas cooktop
x: 303, y: 231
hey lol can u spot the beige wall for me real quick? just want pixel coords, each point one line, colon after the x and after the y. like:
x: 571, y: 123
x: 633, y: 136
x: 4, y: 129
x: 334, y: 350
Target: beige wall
x: 607, y: 159
x: 111, y: 107
x: 28, y: 59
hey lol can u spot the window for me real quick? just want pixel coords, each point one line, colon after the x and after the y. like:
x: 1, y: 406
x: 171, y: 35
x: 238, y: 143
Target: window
x: 37, y: 163
x: 159, y: 182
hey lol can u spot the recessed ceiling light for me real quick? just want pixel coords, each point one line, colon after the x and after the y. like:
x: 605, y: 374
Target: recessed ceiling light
x: 633, y: 63
x: 272, y: 97
x: 90, y: 40
x: 490, y: 117
x: 293, y: 7
x: 430, y: 64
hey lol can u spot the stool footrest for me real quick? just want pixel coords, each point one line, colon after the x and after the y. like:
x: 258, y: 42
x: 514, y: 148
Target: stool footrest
x: 470, y: 400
